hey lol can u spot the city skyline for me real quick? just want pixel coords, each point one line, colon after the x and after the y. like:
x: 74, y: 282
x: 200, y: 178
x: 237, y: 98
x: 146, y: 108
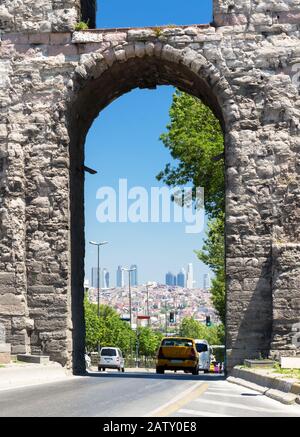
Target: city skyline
x: 179, y: 279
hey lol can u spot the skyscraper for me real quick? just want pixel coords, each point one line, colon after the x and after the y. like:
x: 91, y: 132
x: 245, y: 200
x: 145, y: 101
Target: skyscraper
x: 170, y: 279
x: 181, y: 278
x: 105, y: 278
x: 134, y: 275
x: 120, y: 277
x: 94, y: 277
x: 206, y: 281
x: 190, y: 276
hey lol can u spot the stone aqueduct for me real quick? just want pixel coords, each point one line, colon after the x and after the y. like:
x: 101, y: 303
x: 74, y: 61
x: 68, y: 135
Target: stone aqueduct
x: 54, y: 81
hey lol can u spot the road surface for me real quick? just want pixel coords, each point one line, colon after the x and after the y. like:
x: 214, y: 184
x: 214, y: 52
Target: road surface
x: 140, y: 394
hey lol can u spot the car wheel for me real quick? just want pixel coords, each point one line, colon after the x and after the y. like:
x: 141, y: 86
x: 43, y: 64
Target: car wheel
x: 195, y: 371
x: 206, y: 371
x: 99, y: 369
x: 160, y: 370
x: 123, y: 370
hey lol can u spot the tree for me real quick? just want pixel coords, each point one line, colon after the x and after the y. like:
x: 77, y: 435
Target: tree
x: 149, y: 341
x: 195, y: 139
x: 213, y: 254
x: 191, y: 328
x: 107, y: 330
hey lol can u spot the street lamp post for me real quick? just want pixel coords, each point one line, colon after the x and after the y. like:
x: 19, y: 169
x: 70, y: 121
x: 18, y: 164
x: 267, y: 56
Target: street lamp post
x: 147, y: 302
x: 129, y: 289
x: 94, y: 243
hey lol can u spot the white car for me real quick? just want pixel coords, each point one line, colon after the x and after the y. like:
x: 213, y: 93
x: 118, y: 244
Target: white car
x: 204, y: 352
x: 111, y: 358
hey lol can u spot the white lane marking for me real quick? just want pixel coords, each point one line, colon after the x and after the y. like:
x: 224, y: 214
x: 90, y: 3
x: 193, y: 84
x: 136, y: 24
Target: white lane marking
x: 239, y: 406
x: 202, y: 413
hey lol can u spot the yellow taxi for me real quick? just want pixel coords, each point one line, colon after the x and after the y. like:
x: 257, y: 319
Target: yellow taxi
x: 177, y: 353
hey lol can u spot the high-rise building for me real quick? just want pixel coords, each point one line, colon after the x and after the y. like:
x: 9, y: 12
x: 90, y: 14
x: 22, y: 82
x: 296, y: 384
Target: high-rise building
x: 120, y: 277
x: 105, y: 278
x: 206, y: 281
x: 181, y: 278
x: 170, y: 279
x: 94, y: 277
x: 134, y: 275
x: 190, y: 276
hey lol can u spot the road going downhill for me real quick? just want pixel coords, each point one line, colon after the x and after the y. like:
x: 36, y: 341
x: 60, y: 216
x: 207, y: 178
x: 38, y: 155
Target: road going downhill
x: 140, y: 394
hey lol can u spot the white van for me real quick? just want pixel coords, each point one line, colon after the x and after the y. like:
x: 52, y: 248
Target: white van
x: 204, y: 352
x: 111, y: 358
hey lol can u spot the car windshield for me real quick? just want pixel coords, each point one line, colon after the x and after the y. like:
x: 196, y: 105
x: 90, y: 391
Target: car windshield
x: 177, y: 342
x: 201, y: 347
x: 108, y: 352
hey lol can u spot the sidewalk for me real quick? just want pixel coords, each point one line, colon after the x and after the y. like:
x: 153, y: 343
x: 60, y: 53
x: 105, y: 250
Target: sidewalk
x: 17, y: 375
x: 267, y: 382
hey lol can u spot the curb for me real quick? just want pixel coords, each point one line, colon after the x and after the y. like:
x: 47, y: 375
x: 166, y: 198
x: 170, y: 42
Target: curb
x: 285, y: 392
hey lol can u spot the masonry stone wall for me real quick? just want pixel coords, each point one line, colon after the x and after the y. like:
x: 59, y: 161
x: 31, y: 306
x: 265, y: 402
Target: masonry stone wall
x: 39, y: 15
x: 52, y: 86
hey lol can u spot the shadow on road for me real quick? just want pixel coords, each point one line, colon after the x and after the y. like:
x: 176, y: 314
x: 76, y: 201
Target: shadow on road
x: 146, y: 375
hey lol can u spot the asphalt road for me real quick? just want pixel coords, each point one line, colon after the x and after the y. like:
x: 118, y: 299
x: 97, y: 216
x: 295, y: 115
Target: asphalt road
x: 140, y: 394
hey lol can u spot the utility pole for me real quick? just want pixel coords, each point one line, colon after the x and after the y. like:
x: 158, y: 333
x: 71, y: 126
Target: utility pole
x: 130, y: 302
x: 166, y: 311
x: 148, y: 311
x: 98, y: 277
x: 175, y: 312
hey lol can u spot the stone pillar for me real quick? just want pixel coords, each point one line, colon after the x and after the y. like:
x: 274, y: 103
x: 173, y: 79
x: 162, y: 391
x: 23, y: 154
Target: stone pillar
x: 13, y: 299
x: 248, y: 247
x: 286, y: 300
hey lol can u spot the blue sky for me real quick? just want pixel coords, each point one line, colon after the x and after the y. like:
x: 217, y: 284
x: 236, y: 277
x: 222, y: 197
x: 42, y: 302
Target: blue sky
x: 134, y: 13
x: 123, y: 142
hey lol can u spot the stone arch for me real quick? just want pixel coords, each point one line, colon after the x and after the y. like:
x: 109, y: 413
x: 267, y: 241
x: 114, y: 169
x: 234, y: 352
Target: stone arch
x: 212, y: 86
x: 100, y: 79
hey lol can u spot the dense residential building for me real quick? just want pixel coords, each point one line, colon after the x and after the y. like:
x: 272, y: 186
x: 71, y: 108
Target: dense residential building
x: 181, y: 278
x: 170, y: 279
x: 186, y: 302
x: 120, y: 277
x: 190, y: 277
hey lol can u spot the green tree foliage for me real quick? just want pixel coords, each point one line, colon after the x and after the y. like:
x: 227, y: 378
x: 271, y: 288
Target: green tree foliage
x: 108, y: 330
x: 191, y: 328
x: 195, y: 139
x: 149, y: 341
x: 213, y: 254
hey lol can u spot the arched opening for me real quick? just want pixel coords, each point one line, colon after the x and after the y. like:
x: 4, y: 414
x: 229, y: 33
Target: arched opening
x: 96, y: 89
